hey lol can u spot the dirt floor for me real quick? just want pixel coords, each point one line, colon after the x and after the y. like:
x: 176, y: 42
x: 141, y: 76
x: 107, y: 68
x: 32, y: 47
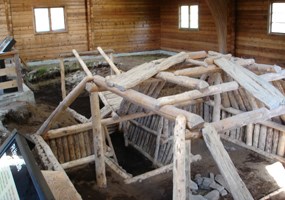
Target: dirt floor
x: 251, y: 166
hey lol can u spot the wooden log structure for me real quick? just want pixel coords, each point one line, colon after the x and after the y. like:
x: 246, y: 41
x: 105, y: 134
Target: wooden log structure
x: 145, y: 71
x: 259, y: 88
x: 149, y: 122
x: 150, y: 103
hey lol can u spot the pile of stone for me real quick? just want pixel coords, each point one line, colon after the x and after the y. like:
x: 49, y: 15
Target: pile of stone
x: 215, y: 186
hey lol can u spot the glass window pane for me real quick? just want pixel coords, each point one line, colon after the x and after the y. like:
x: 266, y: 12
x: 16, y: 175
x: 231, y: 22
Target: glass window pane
x: 184, y: 17
x: 278, y: 18
x: 278, y: 27
x: 194, y: 16
x: 57, y: 19
x: 278, y: 7
x: 41, y: 19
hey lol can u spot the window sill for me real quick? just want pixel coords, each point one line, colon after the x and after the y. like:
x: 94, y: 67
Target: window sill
x: 51, y: 32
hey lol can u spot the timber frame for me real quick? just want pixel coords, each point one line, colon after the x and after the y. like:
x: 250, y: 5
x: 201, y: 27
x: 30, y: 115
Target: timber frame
x: 206, y: 74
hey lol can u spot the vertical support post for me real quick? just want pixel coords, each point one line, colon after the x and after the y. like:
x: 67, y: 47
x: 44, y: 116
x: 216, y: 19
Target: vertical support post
x: 112, y: 59
x: 62, y: 78
x: 98, y: 141
x: 217, y: 99
x: 249, y: 134
x: 188, y: 168
x: 158, y: 137
x: 18, y: 72
x: 179, y: 173
x: 281, y: 145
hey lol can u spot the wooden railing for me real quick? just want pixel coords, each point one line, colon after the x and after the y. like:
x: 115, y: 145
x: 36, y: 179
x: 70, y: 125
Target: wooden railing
x: 13, y: 71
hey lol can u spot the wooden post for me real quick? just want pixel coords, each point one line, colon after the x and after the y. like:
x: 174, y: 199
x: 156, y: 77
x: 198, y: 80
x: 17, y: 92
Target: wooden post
x: 82, y: 63
x: 110, y: 62
x: 98, y: 141
x: 188, y: 168
x: 112, y: 59
x: 18, y: 72
x: 158, y: 137
x: 62, y: 78
x: 217, y: 99
x: 281, y: 145
x: 237, y: 187
x: 179, y: 174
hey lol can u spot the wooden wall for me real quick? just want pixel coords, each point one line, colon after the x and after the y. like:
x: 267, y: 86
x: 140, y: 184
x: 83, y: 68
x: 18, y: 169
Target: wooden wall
x: 3, y: 21
x: 43, y: 46
x: 252, y: 39
x: 126, y: 25
x: 173, y: 38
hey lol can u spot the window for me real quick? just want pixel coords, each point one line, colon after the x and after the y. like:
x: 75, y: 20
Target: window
x: 189, y: 17
x: 277, y: 18
x: 49, y: 19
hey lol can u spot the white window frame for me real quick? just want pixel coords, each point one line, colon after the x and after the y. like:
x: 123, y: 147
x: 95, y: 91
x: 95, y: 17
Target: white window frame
x: 189, y: 17
x: 270, y: 18
x: 50, y: 20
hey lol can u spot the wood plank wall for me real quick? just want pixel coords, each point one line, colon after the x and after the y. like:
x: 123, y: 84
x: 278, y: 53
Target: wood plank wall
x: 173, y: 38
x: 126, y: 25
x: 252, y: 39
x: 3, y: 21
x: 44, y: 46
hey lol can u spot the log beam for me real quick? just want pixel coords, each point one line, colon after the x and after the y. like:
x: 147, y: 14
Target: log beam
x: 109, y: 61
x: 183, y: 80
x: 255, y: 116
x: 78, y: 128
x: 195, y: 94
x: 237, y: 187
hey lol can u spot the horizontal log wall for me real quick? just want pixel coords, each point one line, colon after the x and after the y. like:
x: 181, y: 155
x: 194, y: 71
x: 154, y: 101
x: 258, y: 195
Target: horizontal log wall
x: 252, y: 39
x: 43, y: 46
x: 173, y: 38
x: 126, y: 26
x: 3, y: 21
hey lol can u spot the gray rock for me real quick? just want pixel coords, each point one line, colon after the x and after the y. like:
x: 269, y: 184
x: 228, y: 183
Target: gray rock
x: 213, y: 195
x: 193, y: 185
x: 220, y: 188
x: 197, y: 197
x: 206, y: 183
x: 220, y: 180
x: 198, y: 179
